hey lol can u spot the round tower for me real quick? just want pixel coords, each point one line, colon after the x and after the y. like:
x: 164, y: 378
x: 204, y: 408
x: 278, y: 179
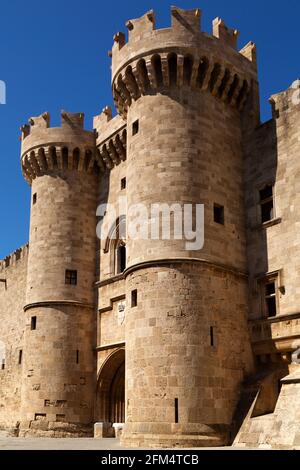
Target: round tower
x: 59, y: 363
x: 185, y: 95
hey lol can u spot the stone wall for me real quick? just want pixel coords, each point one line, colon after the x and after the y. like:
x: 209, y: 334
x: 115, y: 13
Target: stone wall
x: 12, y: 325
x: 186, y: 339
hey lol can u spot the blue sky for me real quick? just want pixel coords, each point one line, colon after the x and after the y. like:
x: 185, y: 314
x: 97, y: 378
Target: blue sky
x: 53, y: 56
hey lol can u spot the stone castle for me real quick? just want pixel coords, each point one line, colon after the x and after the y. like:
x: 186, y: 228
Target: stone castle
x: 140, y: 337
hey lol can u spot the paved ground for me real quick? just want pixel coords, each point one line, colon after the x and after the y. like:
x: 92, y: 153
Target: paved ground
x: 18, y: 443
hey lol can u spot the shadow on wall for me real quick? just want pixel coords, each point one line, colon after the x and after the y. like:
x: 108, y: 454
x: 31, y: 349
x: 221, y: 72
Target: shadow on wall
x: 265, y: 286
x: 260, y: 392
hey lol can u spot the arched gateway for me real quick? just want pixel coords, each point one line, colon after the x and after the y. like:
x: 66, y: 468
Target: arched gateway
x: 110, y: 398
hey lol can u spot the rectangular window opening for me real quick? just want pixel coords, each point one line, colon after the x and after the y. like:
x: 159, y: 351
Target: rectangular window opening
x: 33, y: 323
x: 20, y: 356
x: 134, y: 298
x: 77, y: 356
x: 135, y: 127
x: 219, y: 216
x: 71, y: 277
x: 3, y: 364
x: 34, y: 198
x: 270, y: 298
x: 123, y: 183
x: 266, y: 196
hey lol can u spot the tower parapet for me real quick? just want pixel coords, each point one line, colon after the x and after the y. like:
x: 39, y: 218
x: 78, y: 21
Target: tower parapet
x: 180, y: 56
x: 111, y: 139
x: 46, y: 148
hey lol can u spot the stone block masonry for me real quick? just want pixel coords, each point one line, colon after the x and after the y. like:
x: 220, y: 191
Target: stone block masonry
x: 165, y: 345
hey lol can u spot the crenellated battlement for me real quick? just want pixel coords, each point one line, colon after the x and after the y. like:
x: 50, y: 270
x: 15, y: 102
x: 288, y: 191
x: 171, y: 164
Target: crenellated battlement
x: 111, y: 139
x: 46, y: 148
x: 225, y: 34
x: 181, y: 56
x: 14, y: 258
x: 186, y: 22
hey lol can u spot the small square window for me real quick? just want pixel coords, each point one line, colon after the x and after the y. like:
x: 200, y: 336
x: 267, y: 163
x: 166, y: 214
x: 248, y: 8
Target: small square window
x: 71, y: 277
x: 34, y: 198
x: 134, y: 298
x: 33, y: 323
x: 123, y: 183
x: 219, y: 214
x: 135, y: 127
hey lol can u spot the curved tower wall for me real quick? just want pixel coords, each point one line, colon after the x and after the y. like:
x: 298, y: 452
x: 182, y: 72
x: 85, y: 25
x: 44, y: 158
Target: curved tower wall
x: 187, y: 345
x: 59, y: 364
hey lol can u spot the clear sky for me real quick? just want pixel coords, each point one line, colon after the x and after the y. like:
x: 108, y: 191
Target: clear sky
x: 53, y: 56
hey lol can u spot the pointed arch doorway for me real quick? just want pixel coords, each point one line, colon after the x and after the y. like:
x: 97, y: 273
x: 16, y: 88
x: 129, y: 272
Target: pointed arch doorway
x: 117, y: 396
x: 110, y: 398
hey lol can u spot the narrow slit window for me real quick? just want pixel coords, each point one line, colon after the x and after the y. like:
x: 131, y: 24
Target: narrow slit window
x: 135, y: 127
x: 34, y: 198
x: 20, y: 356
x: 3, y: 364
x: 219, y: 216
x: 123, y: 183
x: 77, y: 356
x: 33, y: 323
x: 266, y: 196
x: 134, y: 298
x: 176, y: 411
x: 212, y: 339
x: 71, y: 277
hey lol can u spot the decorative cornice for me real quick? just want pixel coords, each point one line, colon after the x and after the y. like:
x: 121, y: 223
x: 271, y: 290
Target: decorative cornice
x: 110, y: 346
x: 118, y: 298
x: 110, y: 280
x: 112, y: 151
x: 179, y: 67
x: 168, y: 261
x: 277, y: 319
x: 53, y: 303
